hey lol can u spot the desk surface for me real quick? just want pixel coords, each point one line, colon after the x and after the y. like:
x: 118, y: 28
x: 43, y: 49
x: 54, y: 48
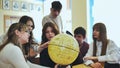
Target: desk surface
x: 81, y: 66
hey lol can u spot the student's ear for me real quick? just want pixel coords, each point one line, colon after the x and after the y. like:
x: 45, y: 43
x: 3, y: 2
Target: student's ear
x: 17, y: 32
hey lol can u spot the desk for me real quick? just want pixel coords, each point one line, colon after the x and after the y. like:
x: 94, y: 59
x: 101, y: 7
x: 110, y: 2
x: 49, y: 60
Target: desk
x: 81, y: 66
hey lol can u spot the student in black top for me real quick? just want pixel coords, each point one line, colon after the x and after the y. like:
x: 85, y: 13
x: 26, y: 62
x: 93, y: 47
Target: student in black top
x: 48, y: 32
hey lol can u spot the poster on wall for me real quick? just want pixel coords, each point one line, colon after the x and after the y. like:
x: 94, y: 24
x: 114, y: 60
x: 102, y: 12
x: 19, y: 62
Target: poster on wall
x: 6, y: 4
x: 31, y: 7
x: 24, y: 6
x: 8, y: 20
x: 15, y: 5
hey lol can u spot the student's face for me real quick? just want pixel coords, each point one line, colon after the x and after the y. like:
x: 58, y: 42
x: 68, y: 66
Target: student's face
x: 96, y: 33
x: 49, y: 33
x: 30, y: 25
x: 54, y: 12
x: 79, y: 38
x: 24, y: 36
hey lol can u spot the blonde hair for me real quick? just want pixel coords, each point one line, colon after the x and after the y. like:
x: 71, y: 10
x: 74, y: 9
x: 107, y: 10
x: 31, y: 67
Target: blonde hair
x: 12, y: 37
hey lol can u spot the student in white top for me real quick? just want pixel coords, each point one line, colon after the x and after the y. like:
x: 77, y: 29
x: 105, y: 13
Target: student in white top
x: 31, y: 48
x: 3, y: 37
x: 11, y: 52
x: 54, y: 16
x: 102, y: 52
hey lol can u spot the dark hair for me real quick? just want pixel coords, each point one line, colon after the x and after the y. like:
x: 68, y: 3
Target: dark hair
x: 102, y: 37
x: 80, y: 30
x: 56, y: 5
x: 48, y: 24
x: 24, y: 20
x: 27, y: 46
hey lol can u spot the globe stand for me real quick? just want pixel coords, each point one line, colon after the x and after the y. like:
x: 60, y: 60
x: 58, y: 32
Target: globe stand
x: 62, y: 66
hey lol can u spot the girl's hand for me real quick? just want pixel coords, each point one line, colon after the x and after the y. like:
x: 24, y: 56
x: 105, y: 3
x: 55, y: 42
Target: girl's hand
x: 96, y: 65
x: 45, y: 45
x: 91, y: 58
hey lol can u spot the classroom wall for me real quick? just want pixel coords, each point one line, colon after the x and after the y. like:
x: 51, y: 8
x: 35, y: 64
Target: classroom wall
x: 110, y: 15
x: 36, y: 14
x: 11, y: 13
x: 79, y: 16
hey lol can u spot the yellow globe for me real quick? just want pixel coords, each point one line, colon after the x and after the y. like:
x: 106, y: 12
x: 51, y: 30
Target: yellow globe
x: 63, y: 49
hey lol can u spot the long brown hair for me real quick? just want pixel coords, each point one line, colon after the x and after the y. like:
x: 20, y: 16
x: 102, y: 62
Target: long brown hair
x: 24, y: 19
x: 12, y: 37
x: 102, y: 37
x: 48, y: 24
